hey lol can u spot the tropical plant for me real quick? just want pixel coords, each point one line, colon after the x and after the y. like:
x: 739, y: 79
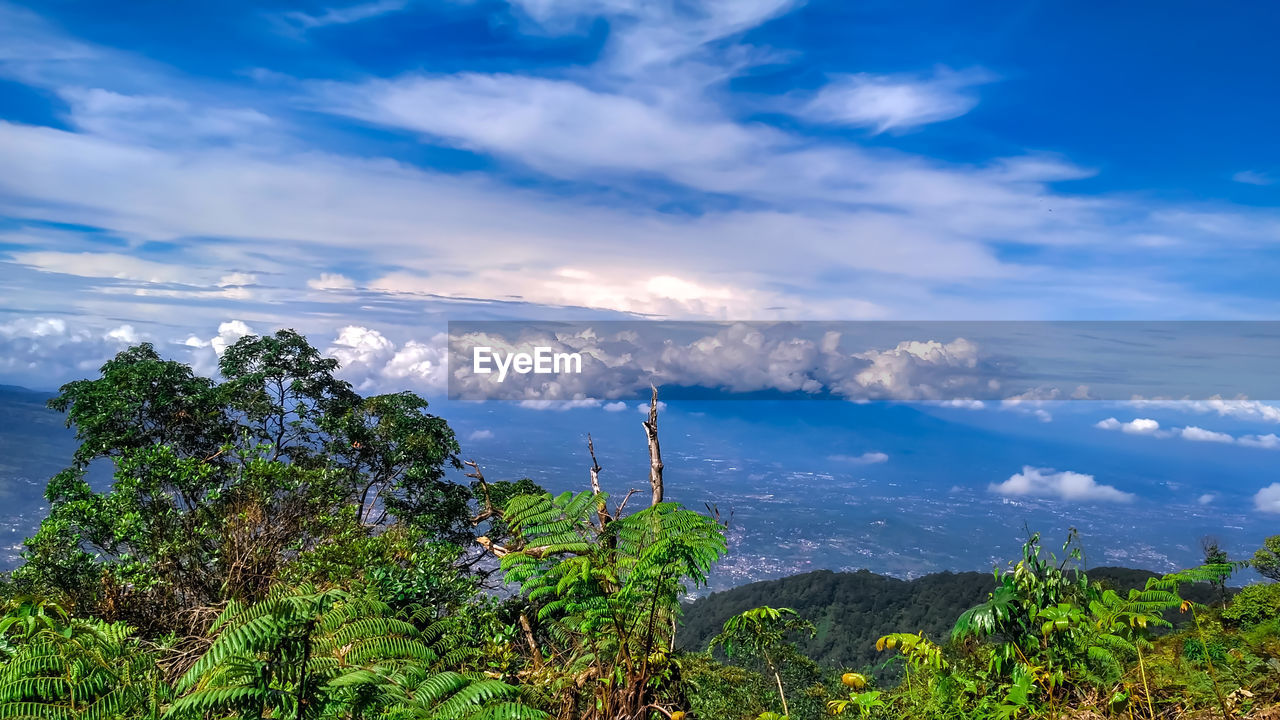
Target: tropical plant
x: 863, y: 703
x: 608, y: 592
x: 761, y: 634
x: 310, y: 654
x: 87, y: 670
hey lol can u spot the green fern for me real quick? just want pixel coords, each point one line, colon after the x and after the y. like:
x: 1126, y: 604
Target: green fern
x: 88, y: 670
x: 307, y: 654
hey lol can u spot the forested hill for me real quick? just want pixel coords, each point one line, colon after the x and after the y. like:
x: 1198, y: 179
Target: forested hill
x: 852, y: 609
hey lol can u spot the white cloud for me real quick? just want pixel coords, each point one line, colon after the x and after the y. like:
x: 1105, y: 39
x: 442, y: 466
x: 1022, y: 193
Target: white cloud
x: 643, y: 408
x: 125, y: 334
x: 915, y: 370
x: 1268, y: 499
x: 1270, y: 441
x: 1206, y: 498
x: 158, y: 119
x: 575, y: 402
x: 866, y: 458
x: 894, y: 102
x: 1032, y: 402
x: 815, y: 227
x: 1241, y: 407
x: 42, y: 352
x: 331, y: 281
x: 963, y: 403
x: 104, y: 265
x: 1137, y: 426
x: 480, y: 435
x: 736, y: 358
x: 363, y: 354
x: 1197, y: 434
x: 371, y: 360
x: 299, y: 21
x: 1147, y: 426
x: 228, y: 333
x: 1066, y: 485
x: 616, y: 406
x: 1253, y: 177
x: 236, y: 279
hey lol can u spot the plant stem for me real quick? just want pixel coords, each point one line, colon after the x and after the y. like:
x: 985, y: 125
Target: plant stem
x: 778, y: 678
x: 1146, y: 690
x: 1213, y: 675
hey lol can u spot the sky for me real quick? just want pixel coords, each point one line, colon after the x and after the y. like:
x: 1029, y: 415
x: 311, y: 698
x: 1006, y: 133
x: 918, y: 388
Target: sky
x: 190, y: 173
x: 187, y: 173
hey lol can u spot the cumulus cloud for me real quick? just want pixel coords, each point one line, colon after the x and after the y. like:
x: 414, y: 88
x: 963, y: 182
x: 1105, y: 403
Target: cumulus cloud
x: 1206, y: 498
x: 371, y: 360
x: 125, y: 335
x: 616, y: 406
x: 866, y: 458
x: 42, y: 352
x: 1197, y: 434
x: 736, y: 358
x: 915, y: 370
x: 1136, y: 426
x: 1066, y: 485
x: 1147, y: 426
x: 1268, y: 499
x: 363, y: 354
x: 480, y: 435
x: 1270, y: 441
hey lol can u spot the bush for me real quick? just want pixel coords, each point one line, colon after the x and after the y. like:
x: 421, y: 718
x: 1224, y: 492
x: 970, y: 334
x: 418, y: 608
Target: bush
x: 1254, y: 604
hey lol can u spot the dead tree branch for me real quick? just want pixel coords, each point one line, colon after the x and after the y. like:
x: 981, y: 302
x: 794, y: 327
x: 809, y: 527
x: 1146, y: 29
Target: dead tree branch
x: 655, y: 453
x: 602, y: 511
x: 487, y: 511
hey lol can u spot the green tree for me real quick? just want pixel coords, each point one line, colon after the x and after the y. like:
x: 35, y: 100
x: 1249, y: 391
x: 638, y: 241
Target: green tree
x: 761, y: 634
x: 1216, y: 557
x: 217, y: 487
x: 1266, y: 560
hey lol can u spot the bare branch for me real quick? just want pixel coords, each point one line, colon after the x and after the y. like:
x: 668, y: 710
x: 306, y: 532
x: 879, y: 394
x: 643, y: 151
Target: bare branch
x: 655, y: 453
x: 527, y: 627
x: 618, y: 512
x: 488, y: 511
x: 714, y: 512
x: 602, y: 512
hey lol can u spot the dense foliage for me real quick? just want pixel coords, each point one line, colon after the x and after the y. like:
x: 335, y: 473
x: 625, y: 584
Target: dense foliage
x: 851, y: 610
x: 273, y: 544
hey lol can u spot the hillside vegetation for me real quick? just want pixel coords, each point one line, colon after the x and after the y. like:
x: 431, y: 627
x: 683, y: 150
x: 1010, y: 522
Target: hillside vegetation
x: 851, y: 610
x: 275, y: 545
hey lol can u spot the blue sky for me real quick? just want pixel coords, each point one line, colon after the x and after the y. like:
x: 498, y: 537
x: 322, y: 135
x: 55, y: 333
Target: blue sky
x: 184, y: 173
x: 187, y: 173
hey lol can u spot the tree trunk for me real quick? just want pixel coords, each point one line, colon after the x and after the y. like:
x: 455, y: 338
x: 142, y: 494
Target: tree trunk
x: 655, y: 453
